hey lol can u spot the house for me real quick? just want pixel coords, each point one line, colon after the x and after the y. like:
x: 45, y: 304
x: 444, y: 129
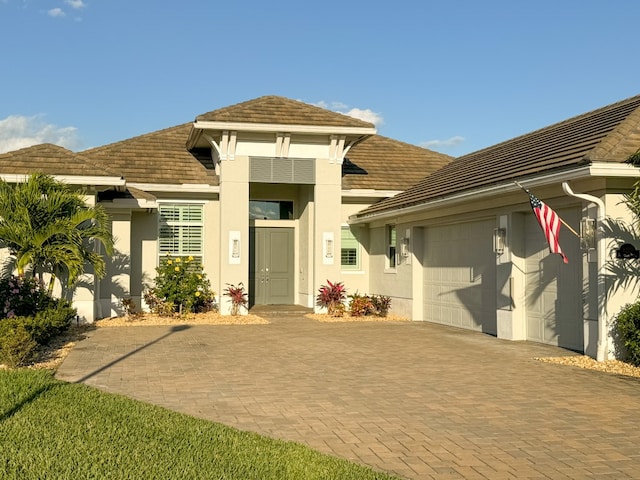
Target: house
x: 472, y: 252
x: 282, y: 196
x: 259, y: 192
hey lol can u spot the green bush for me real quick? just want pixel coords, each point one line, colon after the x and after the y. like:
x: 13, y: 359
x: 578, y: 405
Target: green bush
x: 627, y: 324
x: 17, y: 346
x: 181, y: 286
x: 45, y: 325
x: 21, y: 336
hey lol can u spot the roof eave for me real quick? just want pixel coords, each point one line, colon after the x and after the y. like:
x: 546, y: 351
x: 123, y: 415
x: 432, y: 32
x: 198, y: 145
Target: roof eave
x: 89, y: 180
x: 596, y: 169
x: 279, y: 127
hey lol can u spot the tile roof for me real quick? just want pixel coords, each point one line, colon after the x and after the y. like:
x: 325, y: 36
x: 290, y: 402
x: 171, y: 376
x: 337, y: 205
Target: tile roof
x: 51, y: 160
x: 283, y: 111
x: 382, y: 163
x: 157, y: 157
x: 608, y: 134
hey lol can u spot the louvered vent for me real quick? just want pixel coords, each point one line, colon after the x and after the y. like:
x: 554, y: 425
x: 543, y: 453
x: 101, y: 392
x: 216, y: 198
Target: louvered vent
x: 281, y: 170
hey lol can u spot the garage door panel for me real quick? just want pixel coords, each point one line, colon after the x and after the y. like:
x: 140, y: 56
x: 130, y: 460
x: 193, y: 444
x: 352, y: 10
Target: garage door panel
x: 459, y: 276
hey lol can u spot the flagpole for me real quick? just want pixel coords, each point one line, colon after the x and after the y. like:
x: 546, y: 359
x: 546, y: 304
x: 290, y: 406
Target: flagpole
x: 569, y: 227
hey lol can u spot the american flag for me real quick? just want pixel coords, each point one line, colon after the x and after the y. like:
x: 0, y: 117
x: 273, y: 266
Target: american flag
x: 550, y: 224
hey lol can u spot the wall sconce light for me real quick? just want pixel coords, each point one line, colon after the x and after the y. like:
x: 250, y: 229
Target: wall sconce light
x: 234, y: 248
x: 327, y: 248
x: 499, y: 240
x: 588, y: 233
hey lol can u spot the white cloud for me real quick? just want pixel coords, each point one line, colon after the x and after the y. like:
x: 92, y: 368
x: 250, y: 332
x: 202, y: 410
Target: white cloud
x: 56, y: 13
x: 367, y: 115
x: 19, y: 131
x: 75, y: 3
x: 443, y: 144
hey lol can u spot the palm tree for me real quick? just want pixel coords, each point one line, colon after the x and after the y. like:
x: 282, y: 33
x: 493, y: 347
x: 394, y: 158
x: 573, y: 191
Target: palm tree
x: 47, y: 227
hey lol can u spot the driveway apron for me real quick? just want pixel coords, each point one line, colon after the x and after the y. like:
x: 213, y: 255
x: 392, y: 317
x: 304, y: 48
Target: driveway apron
x: 418, y: 400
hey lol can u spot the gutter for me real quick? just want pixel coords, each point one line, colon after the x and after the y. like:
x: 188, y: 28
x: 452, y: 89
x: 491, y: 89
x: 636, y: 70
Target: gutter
x: 602, y: 350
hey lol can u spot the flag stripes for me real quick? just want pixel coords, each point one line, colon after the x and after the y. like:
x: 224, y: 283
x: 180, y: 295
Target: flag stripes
x: 550, y: 224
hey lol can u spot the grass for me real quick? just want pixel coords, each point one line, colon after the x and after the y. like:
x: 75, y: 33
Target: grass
x: 52, y: 429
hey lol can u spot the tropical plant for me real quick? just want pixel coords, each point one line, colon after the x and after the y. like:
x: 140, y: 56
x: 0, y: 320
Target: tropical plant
x: 332, y: 297
x: 381, y: 305
x: 627, y: 325
x: 238, y: 296
x: 360, y: 305
x: 180, y: 285
x: 48, y: 227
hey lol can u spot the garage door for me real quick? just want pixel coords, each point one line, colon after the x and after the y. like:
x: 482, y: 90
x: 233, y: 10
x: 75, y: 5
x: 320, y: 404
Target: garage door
x: 553, y: 288
x: 460, y: 276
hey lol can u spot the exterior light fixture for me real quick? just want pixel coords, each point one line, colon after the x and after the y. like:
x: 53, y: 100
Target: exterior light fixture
x: 499, y: 240
x: 588, y: 233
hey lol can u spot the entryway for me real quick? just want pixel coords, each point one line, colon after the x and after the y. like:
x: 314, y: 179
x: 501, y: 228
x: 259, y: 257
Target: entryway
x: 271, y: 266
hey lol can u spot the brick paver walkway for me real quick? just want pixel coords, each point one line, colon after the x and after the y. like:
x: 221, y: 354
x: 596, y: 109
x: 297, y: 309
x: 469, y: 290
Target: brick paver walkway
x: 419, y: 400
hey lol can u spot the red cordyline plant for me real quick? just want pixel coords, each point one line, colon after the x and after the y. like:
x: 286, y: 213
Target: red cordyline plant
x: 331, y: 297
x: 238, y: 297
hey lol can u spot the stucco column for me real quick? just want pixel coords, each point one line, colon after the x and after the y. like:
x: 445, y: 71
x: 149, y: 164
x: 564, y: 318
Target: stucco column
x: 326, y: 237
x: 117, y: 282
x: 234, y: 227
x: 511, y: 281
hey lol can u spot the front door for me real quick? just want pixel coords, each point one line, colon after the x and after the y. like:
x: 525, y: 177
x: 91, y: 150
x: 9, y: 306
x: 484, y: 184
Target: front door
x: 271, y: 270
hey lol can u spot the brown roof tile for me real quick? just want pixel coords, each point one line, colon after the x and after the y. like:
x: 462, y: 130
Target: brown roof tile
x: 51, y: 160
x: 611, y: 133
x: 382, y: 163
x: 157, y: 157
x: 283, y: 111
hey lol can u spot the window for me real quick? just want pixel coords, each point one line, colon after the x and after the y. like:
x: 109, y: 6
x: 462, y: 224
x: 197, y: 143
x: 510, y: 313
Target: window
x: 349, y: 250
x: 391, y: 246
x: 180, y: 230
x: 270, y: 210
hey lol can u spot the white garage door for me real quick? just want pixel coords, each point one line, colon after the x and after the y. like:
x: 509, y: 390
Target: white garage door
x: 554, y: 289
x: 460, y: 276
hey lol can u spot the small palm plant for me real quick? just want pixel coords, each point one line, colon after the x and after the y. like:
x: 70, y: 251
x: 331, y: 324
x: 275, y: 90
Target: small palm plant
x: 238, y: 297
x: 331, y: 297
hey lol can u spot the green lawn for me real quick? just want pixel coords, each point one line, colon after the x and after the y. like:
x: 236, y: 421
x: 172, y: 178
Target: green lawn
x: 52, y: 429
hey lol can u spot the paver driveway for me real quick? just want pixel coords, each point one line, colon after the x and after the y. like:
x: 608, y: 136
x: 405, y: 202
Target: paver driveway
x: 418, y: 400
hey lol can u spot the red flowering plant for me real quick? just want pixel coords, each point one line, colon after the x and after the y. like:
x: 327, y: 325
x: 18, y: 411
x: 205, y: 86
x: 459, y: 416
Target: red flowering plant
x: 238, y: 296
x: 331, y: 297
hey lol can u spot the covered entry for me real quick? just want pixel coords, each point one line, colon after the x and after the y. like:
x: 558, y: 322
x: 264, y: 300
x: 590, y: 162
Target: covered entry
x: 271, y: 266
x: 460, y: 276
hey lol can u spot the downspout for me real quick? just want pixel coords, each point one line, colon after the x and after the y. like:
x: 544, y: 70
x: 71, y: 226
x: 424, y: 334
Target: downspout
x: 602, y: 350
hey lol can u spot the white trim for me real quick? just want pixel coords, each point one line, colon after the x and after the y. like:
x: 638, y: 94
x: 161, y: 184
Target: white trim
x: 172, y: 187
x: 369, y: 193
x: 70, y: 179
x: 279, y: 128
x: 597, y: 169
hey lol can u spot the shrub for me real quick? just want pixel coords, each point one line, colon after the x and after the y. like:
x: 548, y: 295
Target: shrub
x: 21, y: 296
x: 17, y: 346
x: 46, y: 324
x: 360, y: 305
x: 381, y: 305
x: 331, y: 297
x: 627, y: 324
x: 238, y: 297
x: 181, y: 286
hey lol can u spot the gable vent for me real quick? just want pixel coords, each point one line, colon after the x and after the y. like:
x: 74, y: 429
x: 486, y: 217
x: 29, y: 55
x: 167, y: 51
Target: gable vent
x: 281, y: 170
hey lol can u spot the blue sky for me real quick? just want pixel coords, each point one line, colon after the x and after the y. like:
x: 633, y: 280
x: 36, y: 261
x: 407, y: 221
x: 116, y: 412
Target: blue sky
x: 452, y: 75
